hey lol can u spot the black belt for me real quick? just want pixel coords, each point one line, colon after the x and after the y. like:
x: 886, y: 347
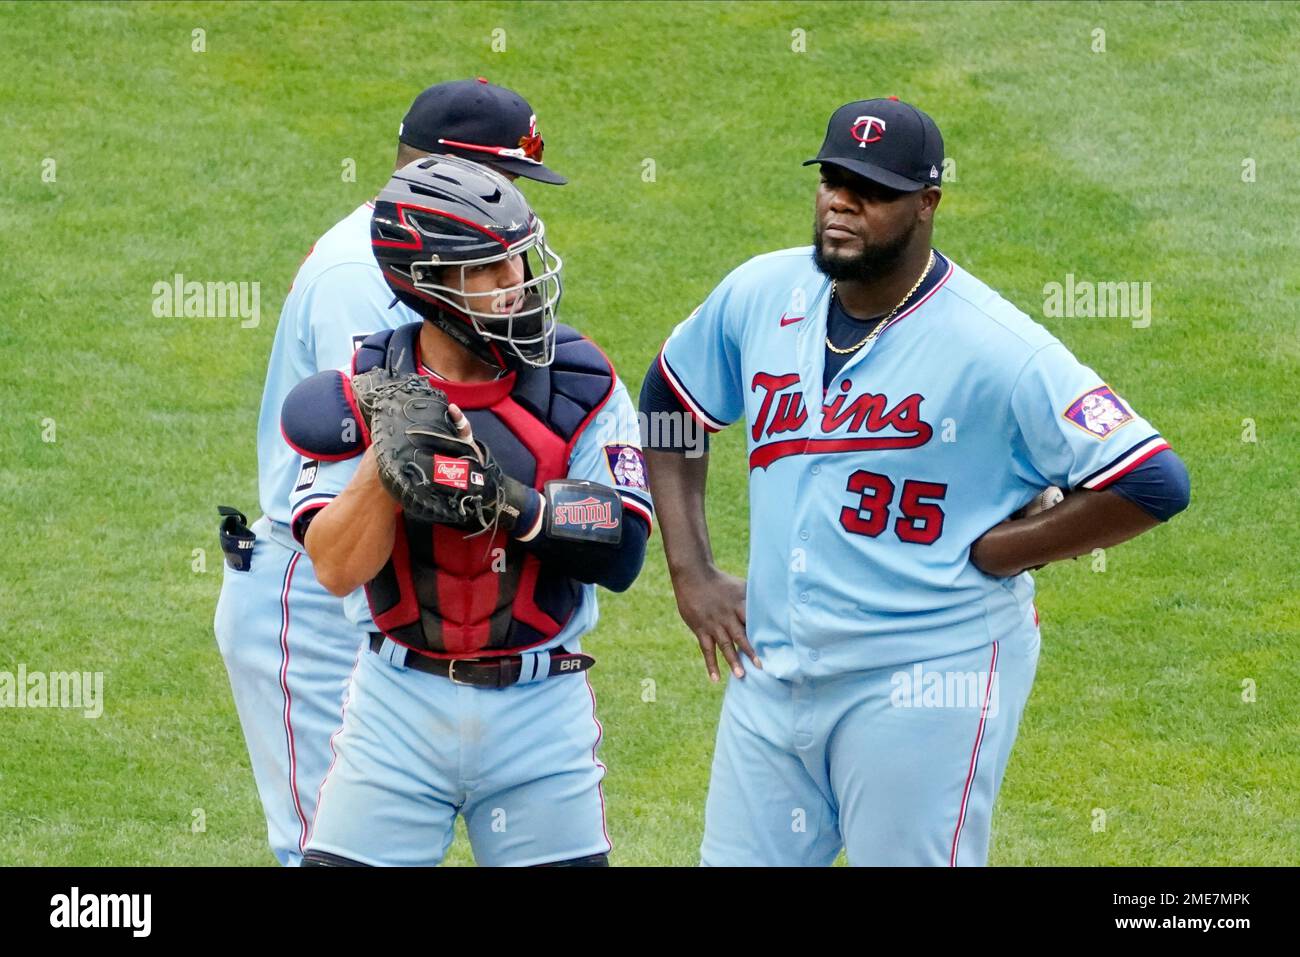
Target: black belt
x: 486, y: 672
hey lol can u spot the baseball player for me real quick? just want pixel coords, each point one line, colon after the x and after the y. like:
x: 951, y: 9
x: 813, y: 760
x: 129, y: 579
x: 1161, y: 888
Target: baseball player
x: 472, y: 597
x: 898, y: 411
x: 287, y: 644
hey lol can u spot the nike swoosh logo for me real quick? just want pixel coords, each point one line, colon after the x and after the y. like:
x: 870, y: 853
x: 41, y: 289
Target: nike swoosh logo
x: 790, y: 321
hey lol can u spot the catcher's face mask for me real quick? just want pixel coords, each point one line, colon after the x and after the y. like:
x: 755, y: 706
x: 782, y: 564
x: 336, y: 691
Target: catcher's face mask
x: 518, y: 315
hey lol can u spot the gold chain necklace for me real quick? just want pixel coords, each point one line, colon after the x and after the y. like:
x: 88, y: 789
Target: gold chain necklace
x: 880, y: 326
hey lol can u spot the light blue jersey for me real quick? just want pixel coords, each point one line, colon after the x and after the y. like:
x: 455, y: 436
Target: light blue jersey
x: 895, y: 671
x: 865, y: 499
x: 338, y: 298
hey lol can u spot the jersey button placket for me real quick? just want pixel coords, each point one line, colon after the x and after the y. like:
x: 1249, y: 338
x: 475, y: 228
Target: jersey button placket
x: 796, y: 568
x: 803, y: 703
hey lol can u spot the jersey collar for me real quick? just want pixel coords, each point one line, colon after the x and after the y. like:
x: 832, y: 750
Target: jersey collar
x: 814, y: 339
x: 470, y: 395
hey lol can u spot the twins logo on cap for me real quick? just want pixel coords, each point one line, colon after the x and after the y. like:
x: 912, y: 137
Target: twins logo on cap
x: 867, y: 129
x: 906, y: 147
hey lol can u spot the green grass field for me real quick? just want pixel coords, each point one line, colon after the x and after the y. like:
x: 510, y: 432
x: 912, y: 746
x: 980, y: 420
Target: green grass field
x: 122, y: 431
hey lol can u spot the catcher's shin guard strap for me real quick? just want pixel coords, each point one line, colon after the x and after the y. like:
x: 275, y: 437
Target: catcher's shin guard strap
x: 499, y: 672
x: 578, y: 511
x: 237, y: 539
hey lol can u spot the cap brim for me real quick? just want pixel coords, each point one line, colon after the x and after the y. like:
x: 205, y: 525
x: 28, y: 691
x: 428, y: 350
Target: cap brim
x: 523, y: 168
x: 872, y: 172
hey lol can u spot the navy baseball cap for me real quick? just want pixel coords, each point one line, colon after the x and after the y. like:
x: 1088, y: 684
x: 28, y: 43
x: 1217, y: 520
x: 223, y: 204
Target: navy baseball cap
x: 478, y: 121
x: 887, y: 141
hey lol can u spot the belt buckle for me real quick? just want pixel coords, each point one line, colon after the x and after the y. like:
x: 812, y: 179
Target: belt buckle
x: 451, y: 672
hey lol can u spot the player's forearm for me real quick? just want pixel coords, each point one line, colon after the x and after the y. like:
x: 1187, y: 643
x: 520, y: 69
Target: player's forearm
x: 1083, y: 521
x: 677, y: 482
x: 350, y: 539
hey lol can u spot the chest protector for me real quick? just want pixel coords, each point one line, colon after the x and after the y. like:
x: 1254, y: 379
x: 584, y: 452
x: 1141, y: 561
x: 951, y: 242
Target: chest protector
x: 447, y: 594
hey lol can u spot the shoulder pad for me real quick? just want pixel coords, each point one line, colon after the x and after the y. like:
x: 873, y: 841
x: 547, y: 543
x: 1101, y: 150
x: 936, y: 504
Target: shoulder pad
x: 565, y: 393
x: 320, y: 419
x: 370, y: 354
x: 400, y: 343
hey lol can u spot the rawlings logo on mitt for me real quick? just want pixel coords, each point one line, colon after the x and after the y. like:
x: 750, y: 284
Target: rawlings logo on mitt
x: 433, y: 472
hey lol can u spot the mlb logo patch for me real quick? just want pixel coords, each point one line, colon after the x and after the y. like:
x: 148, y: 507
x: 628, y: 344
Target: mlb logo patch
x: 1099, y: 412
x: 627, y: 465
x: 306, y: 475
x: 450, y: 471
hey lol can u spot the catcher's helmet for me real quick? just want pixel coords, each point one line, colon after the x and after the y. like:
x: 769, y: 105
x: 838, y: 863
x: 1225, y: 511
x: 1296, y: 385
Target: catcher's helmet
x: 444, y: 212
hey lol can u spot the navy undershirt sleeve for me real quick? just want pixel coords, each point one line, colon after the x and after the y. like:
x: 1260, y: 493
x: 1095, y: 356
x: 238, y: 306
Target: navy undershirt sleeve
x: 657, y: 397
x: 1160, y: 486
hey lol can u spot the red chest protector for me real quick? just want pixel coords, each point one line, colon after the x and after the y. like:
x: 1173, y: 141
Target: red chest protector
x: 448, y: 595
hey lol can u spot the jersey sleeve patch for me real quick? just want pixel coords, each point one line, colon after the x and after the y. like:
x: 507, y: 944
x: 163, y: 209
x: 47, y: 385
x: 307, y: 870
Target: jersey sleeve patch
x: 1099, y: 412
x: 627, y: 466
x: 307, y: 475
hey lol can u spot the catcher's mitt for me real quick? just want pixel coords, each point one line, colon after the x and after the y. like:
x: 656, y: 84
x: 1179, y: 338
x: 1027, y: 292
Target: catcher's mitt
x: 425, y: 464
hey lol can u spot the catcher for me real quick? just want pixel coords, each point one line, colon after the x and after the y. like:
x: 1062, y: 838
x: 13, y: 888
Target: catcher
x: 459, y: 488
